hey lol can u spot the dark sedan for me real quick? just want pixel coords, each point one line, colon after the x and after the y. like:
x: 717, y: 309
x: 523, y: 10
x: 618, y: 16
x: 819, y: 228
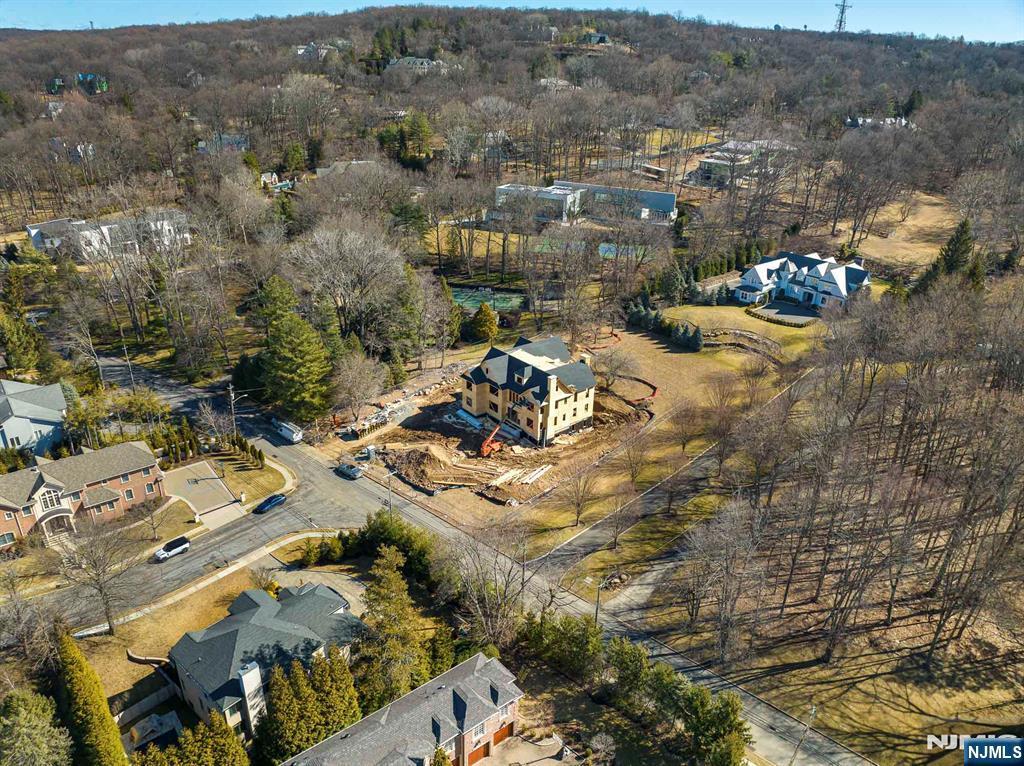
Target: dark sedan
x: 269, y: 504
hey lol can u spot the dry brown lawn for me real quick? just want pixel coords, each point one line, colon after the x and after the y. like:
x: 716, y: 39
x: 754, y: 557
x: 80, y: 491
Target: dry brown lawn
x: 914, y: 243
x: 154, y: 634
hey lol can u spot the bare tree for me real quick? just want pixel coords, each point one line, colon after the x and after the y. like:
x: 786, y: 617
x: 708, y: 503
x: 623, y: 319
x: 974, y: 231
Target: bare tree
x: 99, y: 564
x: 25, y: 625
x: 358, y: 379
x: 636, y: 456
x: 579, y: 489
x: 215, y: 423
x: 612, y: 364
x: 625, y: 515
x: 686, y: 423
x: 154, y: 513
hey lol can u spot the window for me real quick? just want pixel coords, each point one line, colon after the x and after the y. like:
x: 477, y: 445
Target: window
x: 478, y: 731
x: 469, y: 402
x: 494, y: 389
x: 7, y: 538
x: 99, y: 510
x: 76, y: 496
x: 504, y: 710
x: 50, y: 500
x: 529, y: 422
x: 129, y: 494
x: 493, y: 407
x: 586, y: 407
x: 110, y: 505
x: 574, y: 412
x: 15, y: 441
x: 38, y: 434
x: 124, y: 478
x: 469, y: 385
x: 26, y: 511
x: 8, y: 515
x: 149, y: 488
x: 449, y: 746
x: 147, y: 471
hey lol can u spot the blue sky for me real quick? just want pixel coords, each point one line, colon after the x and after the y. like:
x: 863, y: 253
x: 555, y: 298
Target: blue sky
x: 994, y: 20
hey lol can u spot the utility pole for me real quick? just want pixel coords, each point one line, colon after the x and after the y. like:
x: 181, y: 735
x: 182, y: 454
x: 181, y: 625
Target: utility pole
x: 803, y: 735
x: 231, y: 399
x: 131, y: 373
x: 843, y: 7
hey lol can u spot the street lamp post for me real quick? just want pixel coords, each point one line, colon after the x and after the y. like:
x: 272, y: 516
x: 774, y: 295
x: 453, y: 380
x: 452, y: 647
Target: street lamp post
x: 601, y: 586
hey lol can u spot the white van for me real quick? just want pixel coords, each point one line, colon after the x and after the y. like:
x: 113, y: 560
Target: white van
x: 288, y: 431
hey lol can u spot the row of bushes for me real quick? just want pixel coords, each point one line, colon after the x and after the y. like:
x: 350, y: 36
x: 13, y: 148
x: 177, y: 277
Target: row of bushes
x: 676, y: 333
x: 752, y: 311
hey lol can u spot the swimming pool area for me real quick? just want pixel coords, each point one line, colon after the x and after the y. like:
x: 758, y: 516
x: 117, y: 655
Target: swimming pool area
x: 500, y: 300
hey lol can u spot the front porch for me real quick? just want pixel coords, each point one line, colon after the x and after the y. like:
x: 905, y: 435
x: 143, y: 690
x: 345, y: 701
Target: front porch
x: 56, y: 527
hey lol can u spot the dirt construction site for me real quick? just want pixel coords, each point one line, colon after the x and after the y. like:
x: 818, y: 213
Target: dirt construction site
x: 434, y: 450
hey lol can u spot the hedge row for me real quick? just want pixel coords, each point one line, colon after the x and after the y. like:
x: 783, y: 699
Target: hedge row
x: 678, y: 334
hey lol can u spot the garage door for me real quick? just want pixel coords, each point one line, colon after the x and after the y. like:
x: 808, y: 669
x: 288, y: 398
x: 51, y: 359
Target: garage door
x: 481, y: 752
x: 503, y: 733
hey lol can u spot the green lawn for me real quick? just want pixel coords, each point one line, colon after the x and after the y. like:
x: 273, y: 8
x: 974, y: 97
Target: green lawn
x: 795, y: 341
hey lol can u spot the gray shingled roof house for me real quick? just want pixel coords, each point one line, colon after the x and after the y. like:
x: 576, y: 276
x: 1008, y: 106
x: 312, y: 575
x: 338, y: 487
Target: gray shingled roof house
x: 31, y: 417
x: 467, y: 711
x: 224, y: 667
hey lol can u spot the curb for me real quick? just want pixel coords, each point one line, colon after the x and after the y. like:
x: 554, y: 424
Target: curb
x: 178, y: 595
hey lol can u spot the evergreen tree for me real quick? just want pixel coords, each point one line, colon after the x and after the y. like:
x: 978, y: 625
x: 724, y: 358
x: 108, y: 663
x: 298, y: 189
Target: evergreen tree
x: 19, y: 340
x: 294, y: 158
x: 276, y: 299
x: 484, y: 324
x: 391, y: 659
x: 631, y: 665
x: 697, y: 340
x: 976, y: 272
x: 310, y: 725
x: 278, y: 734
x: 83, y: 704
x: 713, y: 723
x: 454, y: 313
x: 440, y: 758
x: 336, y: 697
x: 955, y: 255
x: 898, y: 290
x: 208, y: 744
x: 29, y: 734
x: 297, y: 369
x: 442, y: 651
x: 1012, y: 259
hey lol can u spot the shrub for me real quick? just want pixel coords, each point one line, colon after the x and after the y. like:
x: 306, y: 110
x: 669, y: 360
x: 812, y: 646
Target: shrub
x: 84, y: 708
x: 310, y: 553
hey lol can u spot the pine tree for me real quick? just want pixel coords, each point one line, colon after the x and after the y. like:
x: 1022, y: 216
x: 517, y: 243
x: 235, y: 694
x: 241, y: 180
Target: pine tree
x: 310, y: 723
x: 274, y: 300
x: 341, y: 677
x: 440, y: 758
x: 484, y: 324
x: 697, y: 340
x: 955, y: 255
x: 297, y: 369
x: 277, y: 734
x: 442, y: 651
x: 19, y: 340
x: 29, y: 735
x: 83, y: 703
x: 391, y: 658
x: 976, y: 272
x: 454, y: 327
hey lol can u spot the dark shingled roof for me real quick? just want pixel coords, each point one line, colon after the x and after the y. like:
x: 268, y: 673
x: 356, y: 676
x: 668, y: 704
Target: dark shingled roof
x: 413, y: 726
x: 533, y: 362
x: 265, y: 630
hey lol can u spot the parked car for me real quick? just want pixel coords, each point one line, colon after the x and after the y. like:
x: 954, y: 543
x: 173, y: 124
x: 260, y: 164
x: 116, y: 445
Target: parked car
x: 287, y: 431
x: 173, y: 548
x: 270, y: 503
x: 350, y: 470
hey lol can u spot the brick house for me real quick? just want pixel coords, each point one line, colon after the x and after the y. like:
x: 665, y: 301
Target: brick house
x: 534, y: 389
x: 468, y: 711
x: 50, y: 496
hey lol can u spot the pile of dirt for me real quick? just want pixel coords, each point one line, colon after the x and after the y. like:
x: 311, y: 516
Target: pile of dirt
x: 434, y: 467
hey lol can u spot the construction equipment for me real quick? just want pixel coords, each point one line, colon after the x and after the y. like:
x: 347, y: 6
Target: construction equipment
x: 490, y: 444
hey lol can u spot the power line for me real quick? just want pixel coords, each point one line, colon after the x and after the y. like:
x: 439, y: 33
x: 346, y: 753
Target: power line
x: 843, y: 7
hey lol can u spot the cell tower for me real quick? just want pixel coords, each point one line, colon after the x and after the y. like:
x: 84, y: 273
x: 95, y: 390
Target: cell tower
x: 843, y: 7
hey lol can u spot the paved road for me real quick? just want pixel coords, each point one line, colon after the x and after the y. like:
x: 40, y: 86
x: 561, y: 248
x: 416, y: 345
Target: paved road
x: 325, y: 500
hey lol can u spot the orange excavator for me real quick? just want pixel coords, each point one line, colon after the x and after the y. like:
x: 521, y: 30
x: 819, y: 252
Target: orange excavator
x: 490, y: 444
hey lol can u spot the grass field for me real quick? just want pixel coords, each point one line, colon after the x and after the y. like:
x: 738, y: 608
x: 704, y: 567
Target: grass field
x: 794, y: 340
x: 639, y: 544
x: 914, y: 243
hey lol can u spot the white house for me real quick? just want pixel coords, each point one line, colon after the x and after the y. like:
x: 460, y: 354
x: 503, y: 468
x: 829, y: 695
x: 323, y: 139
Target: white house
x: 549, y: 203
x: 115, y: 237
x: 808, y: 279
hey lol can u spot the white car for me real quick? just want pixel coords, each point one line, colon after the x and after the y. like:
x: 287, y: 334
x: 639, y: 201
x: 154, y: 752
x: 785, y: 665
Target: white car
x: 173, y: 548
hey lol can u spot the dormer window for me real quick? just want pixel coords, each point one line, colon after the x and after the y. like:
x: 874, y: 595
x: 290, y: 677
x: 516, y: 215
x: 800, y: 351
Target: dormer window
x: 520, y: 379
x: 50, y: 499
